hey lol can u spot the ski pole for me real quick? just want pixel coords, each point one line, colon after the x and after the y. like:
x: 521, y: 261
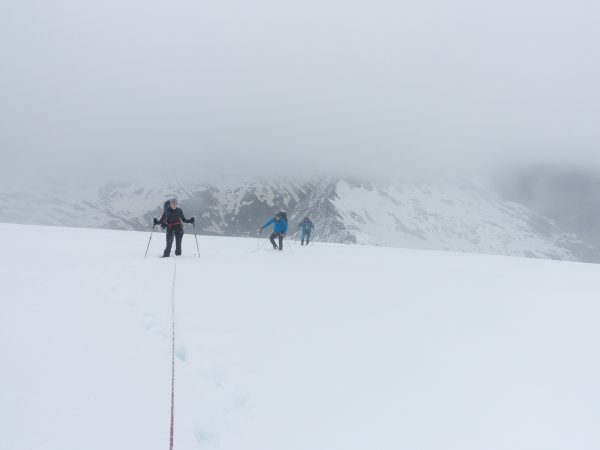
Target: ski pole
x: 197, y: 248
x: 146, y: 254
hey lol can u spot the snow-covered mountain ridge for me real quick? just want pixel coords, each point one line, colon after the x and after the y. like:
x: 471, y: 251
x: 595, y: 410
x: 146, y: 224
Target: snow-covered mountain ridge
x: 438, y: 215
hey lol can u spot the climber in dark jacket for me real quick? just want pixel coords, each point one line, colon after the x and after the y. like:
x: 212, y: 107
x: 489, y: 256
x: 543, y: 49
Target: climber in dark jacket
x: 172, y: 219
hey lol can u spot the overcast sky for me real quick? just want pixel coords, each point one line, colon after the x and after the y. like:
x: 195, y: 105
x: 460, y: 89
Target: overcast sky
x: 325, y: 85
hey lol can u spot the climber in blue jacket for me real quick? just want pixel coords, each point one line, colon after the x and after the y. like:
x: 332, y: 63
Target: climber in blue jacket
x: 306, y: 226
x: 280, y: 226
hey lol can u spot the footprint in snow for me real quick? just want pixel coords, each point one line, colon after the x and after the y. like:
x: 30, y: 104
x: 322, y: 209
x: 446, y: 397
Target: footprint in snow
x: 181, y: 353
x: 206, y: 439
x: 150, y: 325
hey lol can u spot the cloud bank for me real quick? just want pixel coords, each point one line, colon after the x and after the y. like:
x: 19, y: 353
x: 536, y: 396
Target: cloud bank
x: 114, y: 87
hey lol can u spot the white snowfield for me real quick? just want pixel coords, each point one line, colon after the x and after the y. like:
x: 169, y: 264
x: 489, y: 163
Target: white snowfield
x: 326, y: 347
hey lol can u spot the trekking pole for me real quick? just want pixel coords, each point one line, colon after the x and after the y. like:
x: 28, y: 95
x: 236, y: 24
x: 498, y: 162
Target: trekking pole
x: 197, y: 248
x: 146, y: 254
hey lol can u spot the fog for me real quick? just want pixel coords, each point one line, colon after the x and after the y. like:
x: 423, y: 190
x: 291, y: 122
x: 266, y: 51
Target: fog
x: 380, y: 87
x: 569, y: 195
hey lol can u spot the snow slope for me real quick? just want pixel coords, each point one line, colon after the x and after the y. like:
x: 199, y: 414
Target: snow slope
x: 326, y: 347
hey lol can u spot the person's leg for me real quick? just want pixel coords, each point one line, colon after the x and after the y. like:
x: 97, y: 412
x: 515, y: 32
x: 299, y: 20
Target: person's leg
x: 303, y: 236
x: 307, y: 237
x: 178, y: 238
x: 169, y: 235
x: 272, y: 239
x: 280, y: 242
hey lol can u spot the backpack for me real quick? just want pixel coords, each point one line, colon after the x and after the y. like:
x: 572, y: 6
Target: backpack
x: 283, y: 215
x: 166, y: 208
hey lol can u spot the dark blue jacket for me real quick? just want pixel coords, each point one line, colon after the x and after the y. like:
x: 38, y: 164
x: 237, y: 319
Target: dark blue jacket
x: 307, y: 226
x: 173, y: 217
x: 280, y: 226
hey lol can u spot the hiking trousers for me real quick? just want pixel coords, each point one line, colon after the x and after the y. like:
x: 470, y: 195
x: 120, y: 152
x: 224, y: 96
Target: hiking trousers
x: 305, y: 236
x: 272, y: 239
x: 177, y: 233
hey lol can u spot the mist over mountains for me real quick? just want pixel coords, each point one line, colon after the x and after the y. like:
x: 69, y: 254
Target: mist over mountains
x: 470, y: 216
x: 117, y: 90
x: 570, y: 195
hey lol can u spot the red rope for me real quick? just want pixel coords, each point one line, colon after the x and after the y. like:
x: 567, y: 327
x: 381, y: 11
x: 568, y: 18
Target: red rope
x: 173, y: 357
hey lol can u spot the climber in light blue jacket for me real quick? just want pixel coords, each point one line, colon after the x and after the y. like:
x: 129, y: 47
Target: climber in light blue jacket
x: 306, y: 226
x: 280, y: 227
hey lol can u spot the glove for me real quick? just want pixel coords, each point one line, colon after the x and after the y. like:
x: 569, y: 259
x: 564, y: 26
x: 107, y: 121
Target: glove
x: 282, y: 235
x: 260, y: 231
x: 155, y: 221
x: 192, y: 220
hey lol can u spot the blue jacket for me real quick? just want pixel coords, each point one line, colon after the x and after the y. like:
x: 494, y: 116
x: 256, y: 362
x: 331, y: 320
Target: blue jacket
x: 280, y: 226
x: 306, y: 225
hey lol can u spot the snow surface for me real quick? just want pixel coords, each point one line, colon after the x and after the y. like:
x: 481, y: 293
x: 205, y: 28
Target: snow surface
x: 326, y: 347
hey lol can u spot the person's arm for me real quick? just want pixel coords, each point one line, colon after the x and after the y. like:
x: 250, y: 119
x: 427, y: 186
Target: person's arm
x: 285, y: 226
x: 191, y: 220
x: 267, y: 224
